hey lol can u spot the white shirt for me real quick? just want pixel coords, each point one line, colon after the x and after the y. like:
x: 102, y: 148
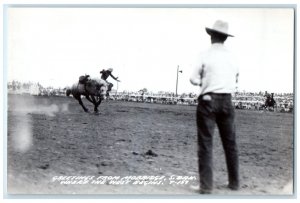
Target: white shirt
x: 216, y: 72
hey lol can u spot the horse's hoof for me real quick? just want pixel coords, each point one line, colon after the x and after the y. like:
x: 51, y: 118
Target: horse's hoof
x: 86, y: 111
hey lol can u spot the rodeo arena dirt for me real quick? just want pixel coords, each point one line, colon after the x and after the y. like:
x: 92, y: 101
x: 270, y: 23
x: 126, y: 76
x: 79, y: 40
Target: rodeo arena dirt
x: 140, y: 143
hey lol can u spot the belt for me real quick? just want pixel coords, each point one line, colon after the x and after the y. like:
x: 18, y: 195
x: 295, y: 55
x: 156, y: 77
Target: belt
x: 216, y: 95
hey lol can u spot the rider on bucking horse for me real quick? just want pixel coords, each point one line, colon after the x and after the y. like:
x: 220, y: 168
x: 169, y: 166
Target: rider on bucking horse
x: 104, y: 75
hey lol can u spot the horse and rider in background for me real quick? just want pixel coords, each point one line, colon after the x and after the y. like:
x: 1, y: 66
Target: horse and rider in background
x: 270, y: 103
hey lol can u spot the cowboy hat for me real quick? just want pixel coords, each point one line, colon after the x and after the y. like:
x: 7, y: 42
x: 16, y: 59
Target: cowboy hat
x: 110, y: 69
x: 220, y: 27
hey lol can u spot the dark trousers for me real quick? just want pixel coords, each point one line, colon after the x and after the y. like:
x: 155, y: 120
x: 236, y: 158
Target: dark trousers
x: 219, y: 110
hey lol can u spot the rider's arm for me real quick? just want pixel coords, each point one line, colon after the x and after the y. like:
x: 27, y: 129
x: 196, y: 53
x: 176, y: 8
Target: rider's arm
x: 115, y: 78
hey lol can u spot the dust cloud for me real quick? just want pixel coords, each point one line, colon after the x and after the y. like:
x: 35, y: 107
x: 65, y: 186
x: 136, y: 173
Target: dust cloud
x: 22, y: 136
x: 31, y: 106
x: 22, y: 133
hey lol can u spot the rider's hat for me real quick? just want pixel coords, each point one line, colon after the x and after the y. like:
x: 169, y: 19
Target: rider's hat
x: 110, y: 69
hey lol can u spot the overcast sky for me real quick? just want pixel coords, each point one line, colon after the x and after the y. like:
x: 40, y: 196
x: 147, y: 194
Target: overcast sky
x: 144, y: 46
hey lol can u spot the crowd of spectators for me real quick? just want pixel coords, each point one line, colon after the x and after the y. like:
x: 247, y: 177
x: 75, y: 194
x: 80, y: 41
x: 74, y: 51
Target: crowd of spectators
x: 256, y: 101
x: 31, y: 88
x: 241, y: 100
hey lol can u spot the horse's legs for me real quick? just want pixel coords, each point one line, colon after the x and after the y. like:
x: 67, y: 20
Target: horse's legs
x: 95, y: 104
x: 92, y: 99
x: 98, y: 103
x: 88, y: 98
x: 81, y: 103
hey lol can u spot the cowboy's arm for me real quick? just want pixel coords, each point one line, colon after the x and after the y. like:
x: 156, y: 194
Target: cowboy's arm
x: 237, y: 81
x: 197, y: 76
x: 236, y: 64
x: 115, y: 78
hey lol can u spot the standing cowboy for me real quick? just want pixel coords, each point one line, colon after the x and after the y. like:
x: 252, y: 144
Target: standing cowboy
x: 105, y: 74
x: 217, y: 77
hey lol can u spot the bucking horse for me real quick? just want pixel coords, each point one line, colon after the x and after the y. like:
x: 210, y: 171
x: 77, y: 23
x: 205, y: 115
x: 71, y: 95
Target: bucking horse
x: 94, y: 90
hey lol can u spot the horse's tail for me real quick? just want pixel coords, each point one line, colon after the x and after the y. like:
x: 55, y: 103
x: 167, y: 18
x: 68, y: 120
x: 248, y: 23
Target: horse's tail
x: 68, y: 92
